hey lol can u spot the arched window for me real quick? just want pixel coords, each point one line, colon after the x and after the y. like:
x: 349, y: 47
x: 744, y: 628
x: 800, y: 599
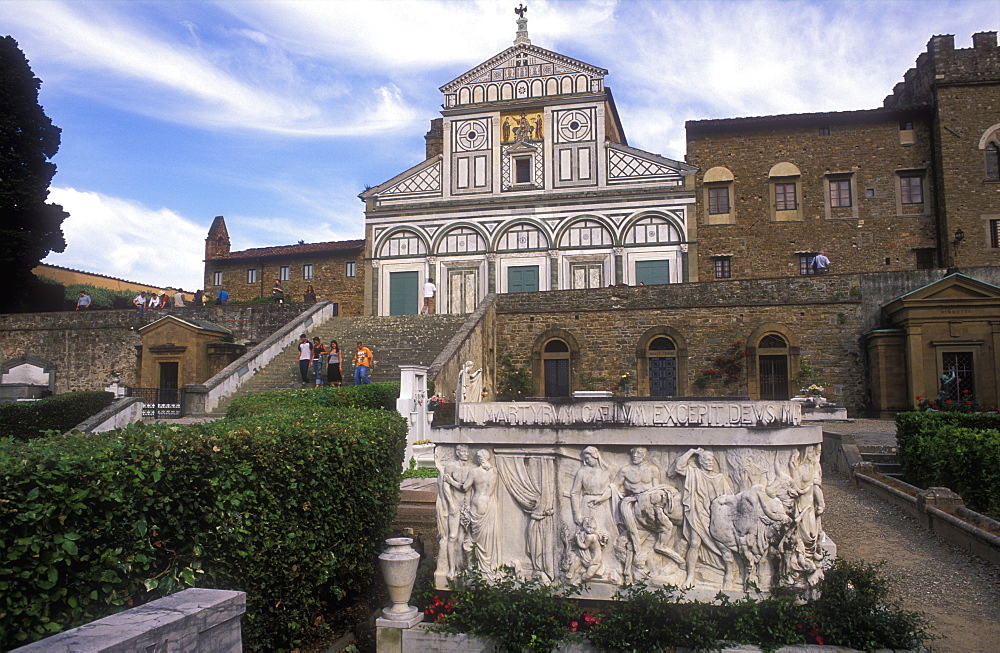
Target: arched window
x: 555, y: 364
x: 522, y: 236
x: 652, y: 230
x: 462, y: 240
x: 992, y: 152
x: 772, y: 367
x: 586, y: 233
x: 403, y: 243
x: 661, y: 355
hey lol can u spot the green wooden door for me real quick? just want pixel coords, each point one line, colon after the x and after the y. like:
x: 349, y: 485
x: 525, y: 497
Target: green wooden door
x: 404, y: 293
x: 522, y: 278
x: 649, y: 273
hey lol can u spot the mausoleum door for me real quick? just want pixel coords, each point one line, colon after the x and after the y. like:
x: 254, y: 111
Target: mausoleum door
x: 773, y: 377
x: 958, y: 381
x: 463, y: 291
x: 403, y: 293
x: 169, y: 375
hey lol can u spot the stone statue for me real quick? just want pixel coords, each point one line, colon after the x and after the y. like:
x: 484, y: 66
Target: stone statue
x: 470, y: 382
x: 479, y: 516
x: 702, y: 484
x: 451, y: 503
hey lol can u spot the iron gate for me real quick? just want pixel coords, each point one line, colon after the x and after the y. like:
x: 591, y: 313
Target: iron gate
x: 159, y: 402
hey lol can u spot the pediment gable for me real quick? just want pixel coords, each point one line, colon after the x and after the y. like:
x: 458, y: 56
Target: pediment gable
x: 956, y: 291
x: 422, y: 180
x: 628, y: 165
x: 539, y: 71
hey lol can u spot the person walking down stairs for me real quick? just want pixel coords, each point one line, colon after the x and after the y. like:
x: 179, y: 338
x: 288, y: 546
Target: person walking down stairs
x: 363, y: 361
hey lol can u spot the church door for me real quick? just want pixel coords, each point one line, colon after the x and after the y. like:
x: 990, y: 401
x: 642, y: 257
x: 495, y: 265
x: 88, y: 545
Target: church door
x: 522, y: 278
x: 403, y: 293
x: 463, y: 291
x: 773, y: 377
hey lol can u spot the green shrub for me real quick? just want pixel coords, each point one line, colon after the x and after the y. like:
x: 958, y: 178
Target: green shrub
x: 854, y: 610
x: 30, y: 419
x: 288, y: 505
x: 375, y: 396
x: 960, y: 451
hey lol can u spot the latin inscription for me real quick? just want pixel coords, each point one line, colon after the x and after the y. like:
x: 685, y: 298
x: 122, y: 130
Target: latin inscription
x: 636, y: 413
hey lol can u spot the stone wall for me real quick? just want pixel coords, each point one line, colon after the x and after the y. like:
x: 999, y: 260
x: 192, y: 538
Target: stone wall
x: 84, y: 346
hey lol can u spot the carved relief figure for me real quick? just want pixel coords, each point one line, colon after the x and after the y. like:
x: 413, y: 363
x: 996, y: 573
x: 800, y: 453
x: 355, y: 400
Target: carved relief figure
x: 644, y: 507
x: 586, y: 559
x: 530, y: 481
x: 801, y: 553
x: 702, y: 484
x: 479, y: 516
x: 451, y: 493
x: 748, y: 526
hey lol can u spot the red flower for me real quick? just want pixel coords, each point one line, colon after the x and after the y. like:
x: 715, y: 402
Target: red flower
x: 573, y: 625
x: 918, y: 397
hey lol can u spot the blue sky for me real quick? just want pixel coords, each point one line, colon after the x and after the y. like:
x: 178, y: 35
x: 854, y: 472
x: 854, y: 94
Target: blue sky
x: 277, y: 114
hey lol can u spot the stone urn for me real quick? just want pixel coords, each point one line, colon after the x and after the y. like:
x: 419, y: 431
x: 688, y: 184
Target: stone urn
x: 399, y: 569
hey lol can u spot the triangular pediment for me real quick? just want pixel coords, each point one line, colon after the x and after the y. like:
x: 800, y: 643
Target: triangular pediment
x: 628, y: 165
x: 423, y: 179
x: 523, y: 61
x: 955, y: 292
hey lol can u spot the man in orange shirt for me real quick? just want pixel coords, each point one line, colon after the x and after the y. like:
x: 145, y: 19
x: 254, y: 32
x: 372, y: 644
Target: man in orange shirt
x: 363, y: 361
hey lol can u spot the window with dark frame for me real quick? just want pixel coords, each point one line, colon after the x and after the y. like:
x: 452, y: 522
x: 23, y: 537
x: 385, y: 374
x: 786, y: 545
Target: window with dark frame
x: 805, y: 263
x: 994, y: 233
x: 352, y: 269
x: 251, y: 276
x: 911, y: 189
x: 723, y: 267
x: 992, y: 153
x: 522, y: 170
x: 840, y: 193
x: 905, y: 125
x: 784, y: 196
x: 217, y: 278
x: 307, y: 271
x: 283, y: 273
x: 718, y: 200
x: 824, y: 131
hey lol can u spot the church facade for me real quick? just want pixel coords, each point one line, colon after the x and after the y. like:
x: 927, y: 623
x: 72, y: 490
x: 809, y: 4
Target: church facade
x: 529, y: 185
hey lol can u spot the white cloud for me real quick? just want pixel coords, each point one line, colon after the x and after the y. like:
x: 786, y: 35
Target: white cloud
x: 122, y: 238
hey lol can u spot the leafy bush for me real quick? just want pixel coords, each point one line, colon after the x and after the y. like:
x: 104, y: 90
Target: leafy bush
x: 513, y: 383
x: 30, y: 419
x: 289, y: 505
x: 854, y: 610
x: 374, y: 396
x: 960, y: 451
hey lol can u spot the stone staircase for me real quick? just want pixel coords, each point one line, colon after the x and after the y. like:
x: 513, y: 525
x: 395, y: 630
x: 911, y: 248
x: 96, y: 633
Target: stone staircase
x: 883, y: 458
x: 394, y: 340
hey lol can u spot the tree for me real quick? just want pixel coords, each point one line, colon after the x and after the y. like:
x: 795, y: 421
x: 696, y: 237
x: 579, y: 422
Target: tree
x: 30, y: 227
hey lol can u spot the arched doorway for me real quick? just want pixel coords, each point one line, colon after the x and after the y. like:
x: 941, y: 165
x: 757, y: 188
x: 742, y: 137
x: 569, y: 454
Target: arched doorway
x: 556, y: 369
x: 772, y: 367
x: 661, y: 353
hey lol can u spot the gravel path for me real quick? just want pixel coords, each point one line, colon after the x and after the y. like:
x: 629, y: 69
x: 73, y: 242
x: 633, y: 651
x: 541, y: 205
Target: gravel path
x: 959, y: 592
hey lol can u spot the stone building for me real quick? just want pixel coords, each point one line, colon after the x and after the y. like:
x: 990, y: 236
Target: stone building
x: 912, y: 185
x: 334, y: 270
x: 529, y: 185
x: 178, y: 350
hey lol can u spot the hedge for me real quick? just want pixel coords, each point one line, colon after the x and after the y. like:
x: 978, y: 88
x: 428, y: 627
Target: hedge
x: 960, y: 451
x: 373, y: 396
x: 288, y: 505
x: 30, y: 419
